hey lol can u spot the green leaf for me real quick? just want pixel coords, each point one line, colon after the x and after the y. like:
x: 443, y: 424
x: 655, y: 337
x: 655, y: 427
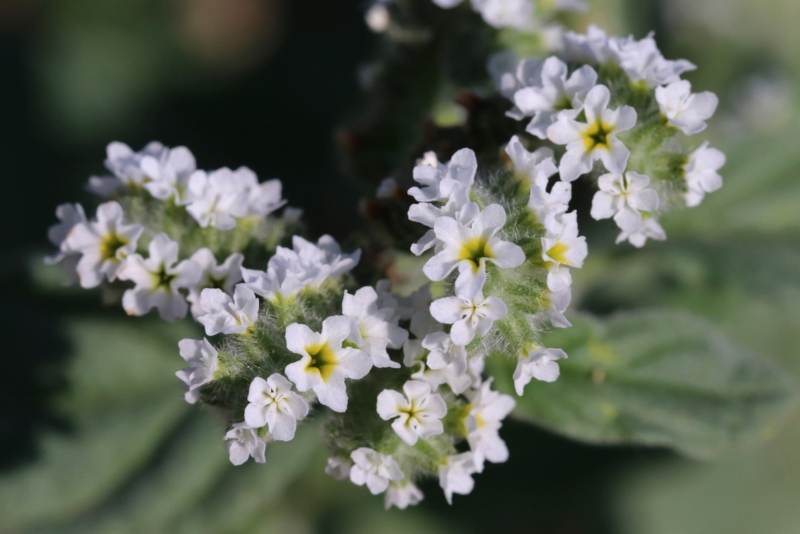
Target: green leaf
x: 655, y: 378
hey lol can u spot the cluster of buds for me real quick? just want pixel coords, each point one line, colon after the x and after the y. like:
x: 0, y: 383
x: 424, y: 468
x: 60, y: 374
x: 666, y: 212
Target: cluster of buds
x: 401, y: 378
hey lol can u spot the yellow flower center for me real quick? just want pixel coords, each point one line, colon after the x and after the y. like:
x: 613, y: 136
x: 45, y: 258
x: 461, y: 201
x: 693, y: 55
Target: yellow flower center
x: 109, y: 245
x: 323, y: 360
x: 596, y: 136
x: 475, y: 251
x: 558, y: 253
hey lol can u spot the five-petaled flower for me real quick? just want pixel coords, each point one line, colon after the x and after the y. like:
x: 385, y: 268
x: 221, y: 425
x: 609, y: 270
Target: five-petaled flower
x: 273, y: 403
x: 417, y: 415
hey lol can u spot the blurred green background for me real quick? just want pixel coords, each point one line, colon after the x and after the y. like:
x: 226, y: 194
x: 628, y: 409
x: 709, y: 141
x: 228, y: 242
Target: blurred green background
x: 94, y: 435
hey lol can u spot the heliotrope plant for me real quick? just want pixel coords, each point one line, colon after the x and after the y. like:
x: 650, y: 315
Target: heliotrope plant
x: 292, y: 328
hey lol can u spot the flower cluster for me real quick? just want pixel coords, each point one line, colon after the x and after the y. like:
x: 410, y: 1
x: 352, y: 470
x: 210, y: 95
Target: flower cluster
x: 155, y: 199
x: 291, y: 326
x: 628, y: 133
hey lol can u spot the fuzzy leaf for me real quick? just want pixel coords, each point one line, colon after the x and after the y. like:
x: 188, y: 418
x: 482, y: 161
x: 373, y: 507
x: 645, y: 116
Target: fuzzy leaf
x: 655, y: 378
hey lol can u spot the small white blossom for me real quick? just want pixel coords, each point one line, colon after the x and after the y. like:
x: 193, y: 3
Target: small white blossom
x: 541, y: 364
x: 701, y: 173
x: 378, y: 17
x: 373, y: 329
x: 469, y: 316
x: 103, y: 244
x: 487, y: 409
x: 556, y: 93
x: 535, y: 167
x: 443, y: 351
x: 273, y: 403
x: 510, y: 75
x: 325, y: 364
x: 243, y: 442
x: 223, y: 276
x: 470, y: 247
x: 562, y: 246
x: 516, y: 14
x: 685, y: 110
x: 596, y: 138
x: 374, y: 469
x: 458, y: 206
x: 338, y: 468
x: 592, y: 47
x: 545, y: 205
x: 437, y: 179
x: 455, y: 475
x: 223, y: 315
x: 158, y: 280
x: 261, y: 198
x: 125, y: 164
x: 402, y: 495
x: 414, y: 356
x: 638, y: 236
x: 642, y: 61
x: 203, y: 362
x: 169, y: 174
x: 69, y: 216
x: 557, y: 303
x: 216, y: 199
x: 305, y: 265
x: 624, y: 197
x: 418, y: 414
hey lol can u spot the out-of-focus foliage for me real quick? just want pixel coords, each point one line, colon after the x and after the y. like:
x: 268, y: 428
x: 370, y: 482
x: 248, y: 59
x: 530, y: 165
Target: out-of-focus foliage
x: 655, y: 378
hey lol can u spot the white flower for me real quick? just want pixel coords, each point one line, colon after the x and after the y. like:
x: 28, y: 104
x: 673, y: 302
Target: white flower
x: 517, y: 14
x: 443, y: 351
x: 203, y: 362
x: 470, y: 247
x: 243, y: 442
x: 169, y: 174
x: 555, y: 94
x: 557, y: 303
x: 69, y: 215
x: 638, y: 236
x: 373, y: 328
x: 104, y: 244
x: 418, y: 414
x: 338, y: 467
x: 273, y: 403
x: 378, y: 17
x: 596, y: 138
x: 158, y: 280
x: 685, y: 110
x: 447, y: 4
x: 374, y: 469
x: 469, y: 316
x: 402, y: 495
x: 642, y: 61
x: 545, y: 205
x: 125, y: 164
x: 306, y: 265
x: 223, y: 315
x: 455, y: 475
x: 624, y: 197
x: 325, y: 364
x: 701, y: 173
x: 262, y: 198
x: 562, y: 246
x: 593, y: 47
x: 223, y: 276
x: 458, y: 206
x: 216, y: 199
x: 437, y: 179
x: 510, y: 75
x: 414, y: 355
x: 487, y: 409
x: 535, y: 167
x: 541, y: 364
